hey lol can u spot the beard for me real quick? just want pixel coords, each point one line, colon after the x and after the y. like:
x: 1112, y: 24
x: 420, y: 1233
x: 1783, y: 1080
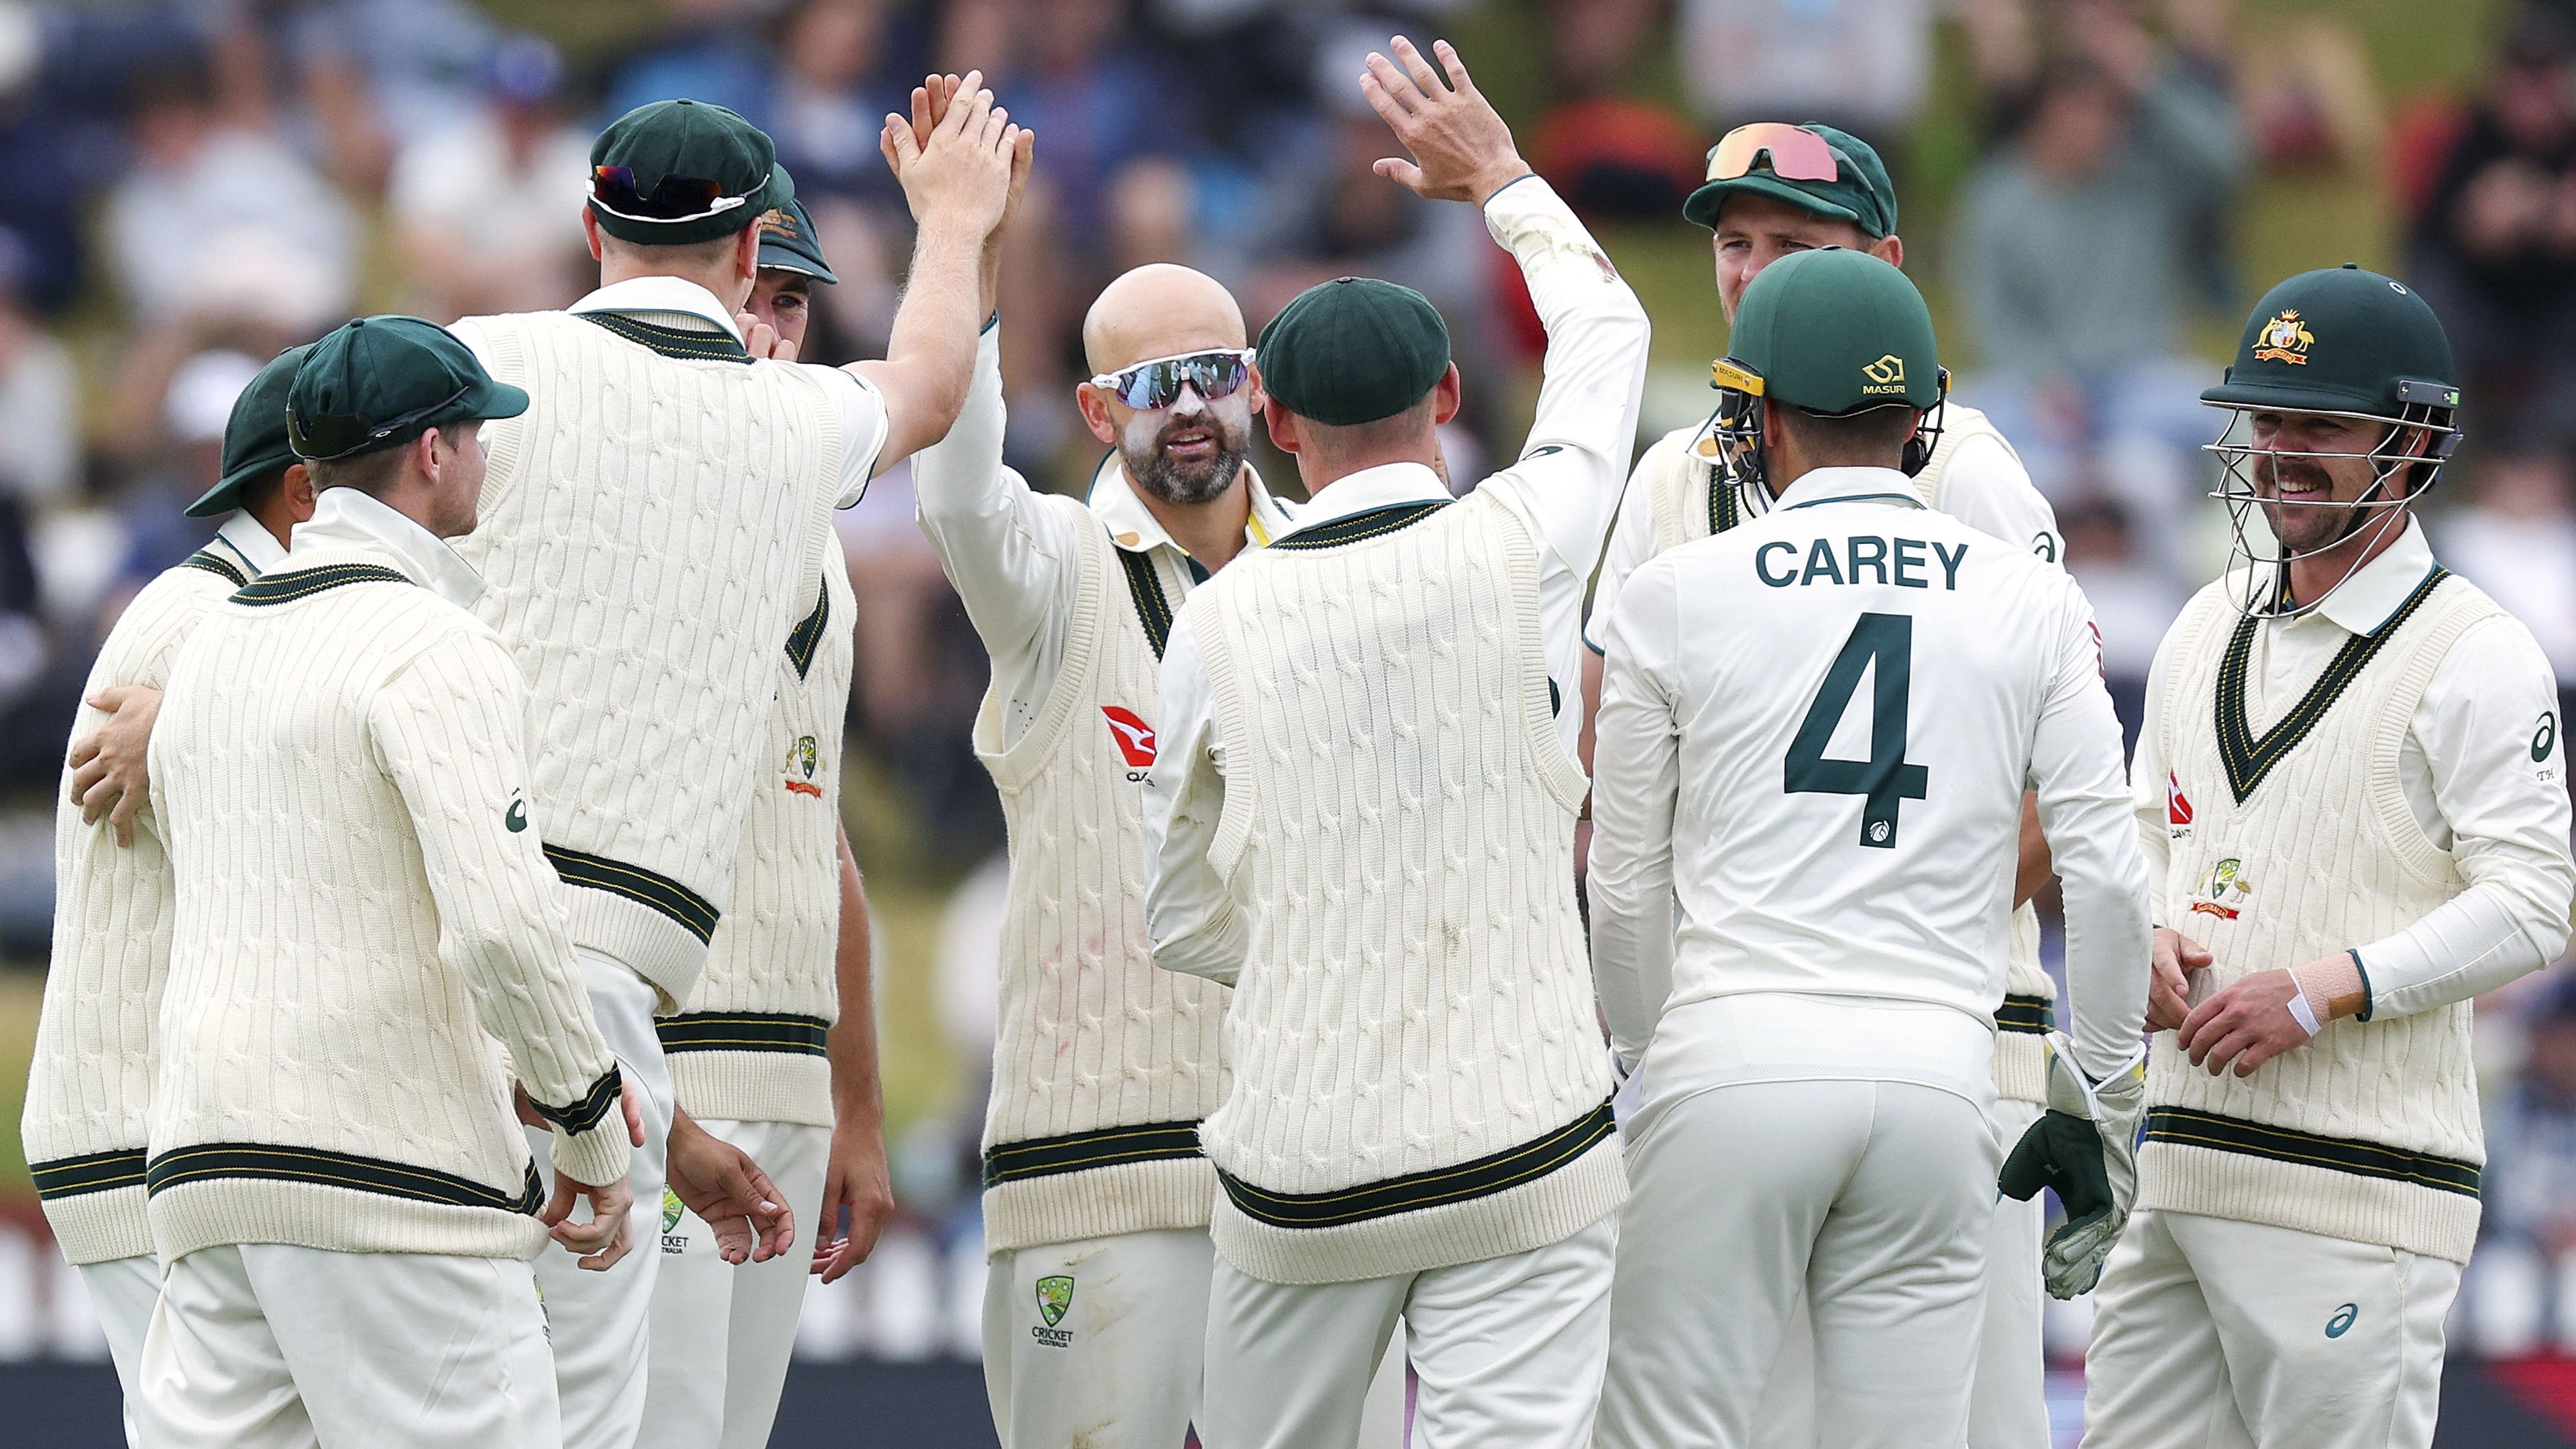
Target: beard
x: 1147, y: 449
x: 2304, y: 526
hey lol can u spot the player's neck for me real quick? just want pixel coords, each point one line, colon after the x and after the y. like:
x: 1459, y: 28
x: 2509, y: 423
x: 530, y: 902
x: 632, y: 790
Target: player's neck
x: 2321, y: 573
x: 728, y: 288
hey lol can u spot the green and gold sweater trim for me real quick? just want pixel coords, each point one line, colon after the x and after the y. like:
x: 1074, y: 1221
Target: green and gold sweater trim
x: 1413, y: 1192
x: 678, y: 342
x: 217, y: 1160
x: 2248, y: 757
x: 652, y: 890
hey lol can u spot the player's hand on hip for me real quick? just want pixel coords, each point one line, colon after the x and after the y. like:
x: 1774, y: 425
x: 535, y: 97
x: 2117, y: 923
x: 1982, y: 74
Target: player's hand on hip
x: 727, y: 1190
x: 959, y: 177
x: 606, y: 1236
x: 110, y: 774
x: 2247, y: 1024
x: 857, y: 1180
x: 1462, y: 150
x: 2176, y: 956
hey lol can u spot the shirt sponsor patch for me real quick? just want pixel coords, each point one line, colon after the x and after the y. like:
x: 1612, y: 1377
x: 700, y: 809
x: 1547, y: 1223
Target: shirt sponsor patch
x: 1134, y: 737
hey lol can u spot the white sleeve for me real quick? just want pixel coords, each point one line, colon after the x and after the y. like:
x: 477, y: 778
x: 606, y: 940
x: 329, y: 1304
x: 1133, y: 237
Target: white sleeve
x: 2086, y: 812
x: 1985, y: 487
x: 1632, y: 542
x: 1190, y: 917
x: 2149, y: 791
x: 2489, y: 728
x: 863, y: 428
x: 1636, y: 790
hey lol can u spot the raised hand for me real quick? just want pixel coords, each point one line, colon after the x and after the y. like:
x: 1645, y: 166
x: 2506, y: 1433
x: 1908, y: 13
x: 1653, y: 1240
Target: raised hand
x: 1462, y: 149
x: 957, y: 177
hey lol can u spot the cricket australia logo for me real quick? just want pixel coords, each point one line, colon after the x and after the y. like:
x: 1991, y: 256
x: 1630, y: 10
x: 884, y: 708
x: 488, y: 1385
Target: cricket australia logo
x: 1055, y: 1299
x: 800, y: 760
x: 1134, y: 738
x: 2222, y: 892
x: 672, y: 1242
x: 2285, y: 338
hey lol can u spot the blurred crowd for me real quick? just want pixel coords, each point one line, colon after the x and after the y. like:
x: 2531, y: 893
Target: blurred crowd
x: 197, y: 183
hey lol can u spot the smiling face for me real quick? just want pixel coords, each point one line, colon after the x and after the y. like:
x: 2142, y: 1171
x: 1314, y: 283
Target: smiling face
x: 1192, y: 451
x: 1755, y: 231
x: 2293, y: 486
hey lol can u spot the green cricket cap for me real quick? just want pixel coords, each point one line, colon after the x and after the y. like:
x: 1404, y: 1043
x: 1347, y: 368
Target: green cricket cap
x: 1835, y: 331
x: 2341, y: 340
x: 788, y: 242
x: 725, y: 171
x: 1353, y: 350
x: 379, y: 382
x: 1860, y: 192
x: 255, y: 446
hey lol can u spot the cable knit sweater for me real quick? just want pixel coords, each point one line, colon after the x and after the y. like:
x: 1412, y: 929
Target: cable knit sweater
x: 369, y: 945
x: 749, y: 1045
x: 89, y: 1088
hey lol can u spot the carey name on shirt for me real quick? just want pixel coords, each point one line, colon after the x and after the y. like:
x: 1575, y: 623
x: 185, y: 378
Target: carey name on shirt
x: 1906, y: 563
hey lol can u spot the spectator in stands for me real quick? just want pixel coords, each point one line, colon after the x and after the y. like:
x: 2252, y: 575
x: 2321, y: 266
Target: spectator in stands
x: 2495, y: 249
x: 488, y: 208
x: 2524, y: 1276
x: 831, y: 98
x: 1861, y: 65
x: 39, y: 395
x: 712, y: 50
x: 2134, y: 600
x: 2516, y: 539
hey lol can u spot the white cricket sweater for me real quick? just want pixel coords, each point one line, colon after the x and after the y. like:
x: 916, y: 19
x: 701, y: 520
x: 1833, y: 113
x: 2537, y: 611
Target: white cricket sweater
x: 1682, y: 502
x: 749, y: 1045
x: 368, y: 946
x: 1103, y: 1066
x: 2299, y: 844
x: 1418, y: 1073
x: 89, y: 1086
x: 651, y: 530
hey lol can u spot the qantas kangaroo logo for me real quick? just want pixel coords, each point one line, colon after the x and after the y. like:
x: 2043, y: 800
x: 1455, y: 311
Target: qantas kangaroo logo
x: 1135, y: 738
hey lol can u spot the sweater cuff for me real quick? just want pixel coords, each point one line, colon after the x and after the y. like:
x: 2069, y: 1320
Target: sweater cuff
x: 597, y: 1157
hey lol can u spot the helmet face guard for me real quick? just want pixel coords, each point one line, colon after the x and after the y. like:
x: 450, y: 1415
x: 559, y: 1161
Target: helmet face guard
x: 2403, y: 470
x: 1737, y: 426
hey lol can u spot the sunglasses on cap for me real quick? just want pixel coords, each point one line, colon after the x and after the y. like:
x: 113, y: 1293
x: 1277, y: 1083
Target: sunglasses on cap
x: 1797, y: 154
x: 673, y: 198
x: 1155, y: 384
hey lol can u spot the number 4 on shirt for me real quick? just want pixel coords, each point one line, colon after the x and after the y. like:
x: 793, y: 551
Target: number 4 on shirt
x: 1884, y: 778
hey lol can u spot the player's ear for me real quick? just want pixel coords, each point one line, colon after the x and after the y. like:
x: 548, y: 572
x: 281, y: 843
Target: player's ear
x: 297, y: 492
x: 590, y: 230
x: 1889, y: 249
x: 1444, y: 397
x: 1281, y: 423
x: 746, y: 253
x: 1095, y: 412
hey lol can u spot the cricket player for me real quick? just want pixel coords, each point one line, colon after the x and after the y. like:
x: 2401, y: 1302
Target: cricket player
x: 1775, y: 190
x: 1096, y: 1194
x: 1361, y: 816
x: 776, y: 1051
x: 89, y: 1089
x: 2352, y: 793
x: 654, y: 532
x: 1814, y: 1042
x: 367, y: 947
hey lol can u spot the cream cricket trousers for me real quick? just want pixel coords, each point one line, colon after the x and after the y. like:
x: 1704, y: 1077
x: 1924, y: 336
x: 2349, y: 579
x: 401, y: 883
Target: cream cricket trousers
x: 600, y: 1322
x: 122, y: 1292
x: 2215, y: 1334
x: 1872, y: 1199
x: 1097, y: 1342
x: 264, y: 1346
x: 722, y: 1334
x: 1507, y: 1351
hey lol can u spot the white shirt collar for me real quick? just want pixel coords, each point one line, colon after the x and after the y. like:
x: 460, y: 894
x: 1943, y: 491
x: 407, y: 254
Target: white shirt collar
x: 1378, y: 487
x: 1133, y: 526
x: 668, y: 296
x: 1838, y: 485
x: 345, y: 517
x: 2381, y: 587
x: 251, y: 539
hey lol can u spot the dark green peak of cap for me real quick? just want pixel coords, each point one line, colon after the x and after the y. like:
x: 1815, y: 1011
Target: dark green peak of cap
x: 379, y: 382
x: 698, y: 142
x: 1860, y: 193
x: 1836, y: 331
x: 2341, y: 340
x: 255, y: 446
x: 788, y: 242
x: 1353, y: 350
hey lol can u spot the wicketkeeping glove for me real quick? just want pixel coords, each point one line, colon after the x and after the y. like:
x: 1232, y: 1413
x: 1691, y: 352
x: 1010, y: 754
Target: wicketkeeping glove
x: 2085, y: 1147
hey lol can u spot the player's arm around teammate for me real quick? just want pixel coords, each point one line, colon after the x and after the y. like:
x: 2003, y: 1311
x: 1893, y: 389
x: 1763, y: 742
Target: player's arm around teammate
x: 347, y: 1212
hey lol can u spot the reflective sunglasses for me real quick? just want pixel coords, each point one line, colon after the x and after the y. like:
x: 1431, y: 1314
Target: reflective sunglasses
x: 673, y: 198
x: 1155, y: 383
x: 1797, y: 154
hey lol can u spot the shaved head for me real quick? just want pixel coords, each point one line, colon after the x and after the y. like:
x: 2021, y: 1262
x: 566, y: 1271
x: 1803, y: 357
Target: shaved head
x: 1159, y: 310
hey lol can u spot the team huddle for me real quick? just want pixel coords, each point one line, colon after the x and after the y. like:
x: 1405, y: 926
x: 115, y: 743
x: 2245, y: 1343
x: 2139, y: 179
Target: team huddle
x: 1562, y: 939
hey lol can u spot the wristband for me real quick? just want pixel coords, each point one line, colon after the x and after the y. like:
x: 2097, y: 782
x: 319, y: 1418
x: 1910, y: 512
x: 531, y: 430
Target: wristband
x: 2300, y: 1010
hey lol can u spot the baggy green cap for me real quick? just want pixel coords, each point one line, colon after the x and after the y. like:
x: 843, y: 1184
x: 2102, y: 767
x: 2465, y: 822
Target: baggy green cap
x: 699, y: 141
x: 1353, y: 350
x: 255, y: 446
x: 2341, y: 340
x: 1835, y: 331
x: 1860, y: 194
x: 379, y: 382
x: 788, y: 242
